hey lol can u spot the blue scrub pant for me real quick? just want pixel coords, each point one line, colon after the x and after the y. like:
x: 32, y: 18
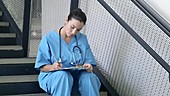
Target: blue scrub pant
x: 63, y: 83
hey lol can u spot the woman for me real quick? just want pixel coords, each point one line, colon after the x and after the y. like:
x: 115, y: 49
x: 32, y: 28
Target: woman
x: 64, y: 48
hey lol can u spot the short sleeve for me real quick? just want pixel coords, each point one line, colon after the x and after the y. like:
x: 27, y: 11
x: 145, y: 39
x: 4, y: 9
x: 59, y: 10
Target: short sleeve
x: 89, y: 57
x: 43, y: 55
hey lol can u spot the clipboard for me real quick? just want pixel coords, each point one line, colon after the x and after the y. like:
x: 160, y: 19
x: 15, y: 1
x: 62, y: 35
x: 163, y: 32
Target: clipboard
x: 72, y: 68
x: 77, y: 67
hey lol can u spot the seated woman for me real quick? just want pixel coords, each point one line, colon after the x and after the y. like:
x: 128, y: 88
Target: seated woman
x: 63, y: 48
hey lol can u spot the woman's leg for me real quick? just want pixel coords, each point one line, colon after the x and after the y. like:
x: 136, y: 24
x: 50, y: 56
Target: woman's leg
x: 60, y: 83
x: 89, y: 84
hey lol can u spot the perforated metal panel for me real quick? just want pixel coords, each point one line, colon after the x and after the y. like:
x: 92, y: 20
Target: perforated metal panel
x: 54, y: 14
x: 129, y: 68
x: 16, y: 9
x: 46, y: 15
x: 35, y: 27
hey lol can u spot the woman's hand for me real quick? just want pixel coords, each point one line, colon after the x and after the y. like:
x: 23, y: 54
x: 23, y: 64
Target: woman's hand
x: 57, y: 66
x: 54, y: 66
x: 89, y: 67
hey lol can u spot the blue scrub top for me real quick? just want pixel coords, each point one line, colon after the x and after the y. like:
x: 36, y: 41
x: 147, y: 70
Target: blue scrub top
x: 49, y: 48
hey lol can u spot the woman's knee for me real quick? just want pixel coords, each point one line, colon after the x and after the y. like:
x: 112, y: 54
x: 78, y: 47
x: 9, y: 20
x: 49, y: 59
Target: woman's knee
x: 85, y: 74
x: 62, y: 74
x: 91, y: 81
x: 89, y: 77
x: 59, y: 80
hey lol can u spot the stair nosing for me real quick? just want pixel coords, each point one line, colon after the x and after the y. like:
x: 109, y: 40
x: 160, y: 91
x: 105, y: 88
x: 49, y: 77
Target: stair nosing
x: 18, y: 79
x: 9, y: 35
x: 5, y: 24
x: 16, y: 61
x: 1, y: 13
x: 11, y: 47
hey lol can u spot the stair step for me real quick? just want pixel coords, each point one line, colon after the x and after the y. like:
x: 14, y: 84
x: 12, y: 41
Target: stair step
x: 7, y: 35
x: 17, y: 60
x: 1, y: 13
x: 4, y: 24
x: 45, y: 94
x: 11, y: 47
x: 17, y: 66
x: 7, y: 38
x: 37, y: 94
x: 11, y: 51
x: 18, y: 79
x: 23, y: 84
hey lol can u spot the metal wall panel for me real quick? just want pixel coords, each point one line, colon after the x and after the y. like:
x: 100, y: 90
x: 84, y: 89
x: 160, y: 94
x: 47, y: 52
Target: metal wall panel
x: 16, y: 9
x: 46, y: 15
x: 127, y: 65
x: 54, y: 13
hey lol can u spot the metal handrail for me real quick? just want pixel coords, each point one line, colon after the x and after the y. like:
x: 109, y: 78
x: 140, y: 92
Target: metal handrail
x: 153, y: 15
x: 164, y: 64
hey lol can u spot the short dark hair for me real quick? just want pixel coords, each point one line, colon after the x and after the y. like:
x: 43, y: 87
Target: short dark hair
x: 77, y: 14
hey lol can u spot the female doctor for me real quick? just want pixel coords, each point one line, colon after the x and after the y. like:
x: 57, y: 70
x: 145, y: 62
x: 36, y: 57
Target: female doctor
x: 63, y: 48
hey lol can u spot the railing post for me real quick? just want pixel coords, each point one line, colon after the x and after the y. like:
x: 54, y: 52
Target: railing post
x: 74, y: 4
x: 26, y: 24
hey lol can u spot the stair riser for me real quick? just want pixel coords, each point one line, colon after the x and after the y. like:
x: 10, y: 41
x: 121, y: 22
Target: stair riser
x: 11, y: 54
x: 17, y: 69
x: 7, y: 41
x: 4, y: 29
x: 20, y: 88
x: 1, y: 16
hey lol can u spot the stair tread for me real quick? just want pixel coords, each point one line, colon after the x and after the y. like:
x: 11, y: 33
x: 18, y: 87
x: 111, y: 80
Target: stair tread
x: 4, y: 23
x: 18, y: 79
x: 17, y: 60
x: 4, y: 35
x: 11, y: 47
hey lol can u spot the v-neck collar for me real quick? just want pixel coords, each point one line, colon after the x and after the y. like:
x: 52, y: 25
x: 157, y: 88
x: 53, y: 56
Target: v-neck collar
x: 68, y: 44
x: 65, y: 43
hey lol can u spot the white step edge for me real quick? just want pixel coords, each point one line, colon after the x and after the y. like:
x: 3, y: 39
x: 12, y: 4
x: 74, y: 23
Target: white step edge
x: 7, y: 35
x: 0, y: 13
x: 18, y: 78
x: 17, y: 60
x: 4, y: 24
x: 11, y: 47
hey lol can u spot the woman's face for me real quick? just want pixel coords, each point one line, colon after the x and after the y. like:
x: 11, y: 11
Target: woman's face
x: 72, y: 27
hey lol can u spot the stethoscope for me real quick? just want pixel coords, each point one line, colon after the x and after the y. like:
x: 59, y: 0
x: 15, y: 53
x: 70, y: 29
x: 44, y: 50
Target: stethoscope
x: 74, y: 49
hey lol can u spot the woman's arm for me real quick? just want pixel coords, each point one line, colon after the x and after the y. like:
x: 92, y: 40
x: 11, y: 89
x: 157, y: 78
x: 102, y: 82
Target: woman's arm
x: 48, y: 67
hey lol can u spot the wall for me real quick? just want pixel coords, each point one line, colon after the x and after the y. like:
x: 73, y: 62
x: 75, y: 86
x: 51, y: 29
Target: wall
x: 54, y: 13
x: 16, y: 9
x: 129, y: 68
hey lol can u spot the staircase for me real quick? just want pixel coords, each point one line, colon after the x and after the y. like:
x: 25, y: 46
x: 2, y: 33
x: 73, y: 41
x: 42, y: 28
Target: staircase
x: 8, y: 45
x: 17, y: 74
x: 18, y: 78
